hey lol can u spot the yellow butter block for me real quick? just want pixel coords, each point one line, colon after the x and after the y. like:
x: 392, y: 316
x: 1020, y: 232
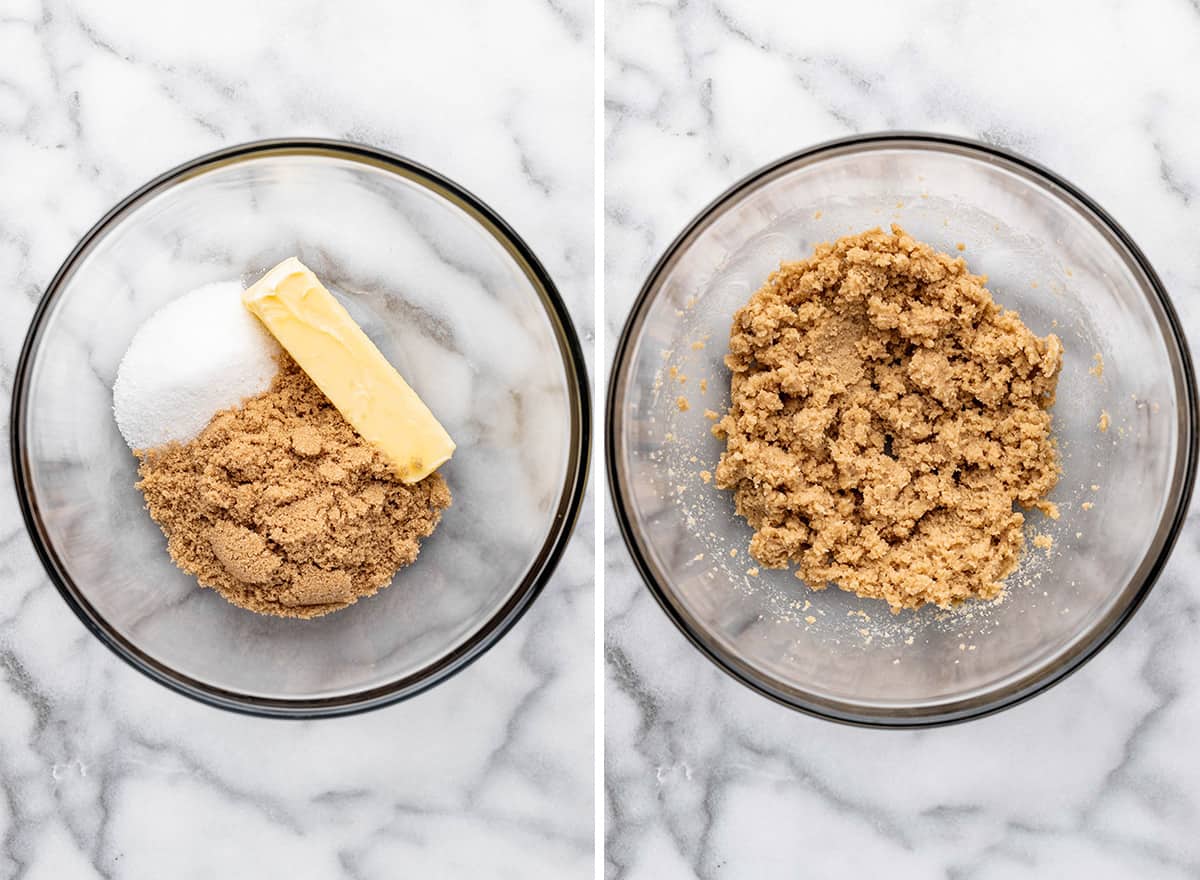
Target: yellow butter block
x: 319, y: 334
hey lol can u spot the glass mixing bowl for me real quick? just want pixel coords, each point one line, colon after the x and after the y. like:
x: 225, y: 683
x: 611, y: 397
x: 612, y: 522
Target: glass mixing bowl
x: 450, y: 295
x: 1049, y: 253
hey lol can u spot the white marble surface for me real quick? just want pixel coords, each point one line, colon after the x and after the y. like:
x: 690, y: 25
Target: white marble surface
x: 1100, y: 776
x: 104, y: 773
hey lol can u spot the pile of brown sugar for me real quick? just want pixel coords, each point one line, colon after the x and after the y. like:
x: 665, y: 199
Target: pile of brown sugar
x: 887, y: 418
x: 283, y: 508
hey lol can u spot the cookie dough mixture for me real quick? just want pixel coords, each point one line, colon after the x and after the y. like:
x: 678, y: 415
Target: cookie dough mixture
x: 283, y: 508
x: 887, y: 420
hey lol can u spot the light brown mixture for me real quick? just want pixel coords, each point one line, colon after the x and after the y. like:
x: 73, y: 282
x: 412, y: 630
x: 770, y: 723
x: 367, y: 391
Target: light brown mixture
x: 283, y: 508
x: 886, y: 418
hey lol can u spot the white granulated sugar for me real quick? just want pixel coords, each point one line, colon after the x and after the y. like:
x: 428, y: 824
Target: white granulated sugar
x: 194, y: 357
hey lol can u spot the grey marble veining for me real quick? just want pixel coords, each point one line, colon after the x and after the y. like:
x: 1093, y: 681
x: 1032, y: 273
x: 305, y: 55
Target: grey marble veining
x: 1099, y: 776
x: 106, y: 774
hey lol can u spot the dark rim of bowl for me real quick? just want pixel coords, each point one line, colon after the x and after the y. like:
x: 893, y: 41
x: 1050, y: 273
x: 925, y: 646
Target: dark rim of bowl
x: 964, y: 709
x: 540, y: 569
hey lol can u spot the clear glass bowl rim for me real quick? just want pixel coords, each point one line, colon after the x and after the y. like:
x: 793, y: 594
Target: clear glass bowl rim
x: 570, y: 499
x: 843, y: 711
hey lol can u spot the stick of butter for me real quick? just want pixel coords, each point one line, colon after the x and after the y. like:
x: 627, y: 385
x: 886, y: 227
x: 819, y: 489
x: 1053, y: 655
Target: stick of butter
x: 332, y: 349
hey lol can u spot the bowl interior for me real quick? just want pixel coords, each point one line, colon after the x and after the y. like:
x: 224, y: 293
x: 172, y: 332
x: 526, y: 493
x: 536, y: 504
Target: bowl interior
x: 446, y: 297
x: 1047, y: 256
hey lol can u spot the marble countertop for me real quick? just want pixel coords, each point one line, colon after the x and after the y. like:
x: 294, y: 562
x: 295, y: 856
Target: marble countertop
x: 106, y: 774
x: 1100, y: 776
